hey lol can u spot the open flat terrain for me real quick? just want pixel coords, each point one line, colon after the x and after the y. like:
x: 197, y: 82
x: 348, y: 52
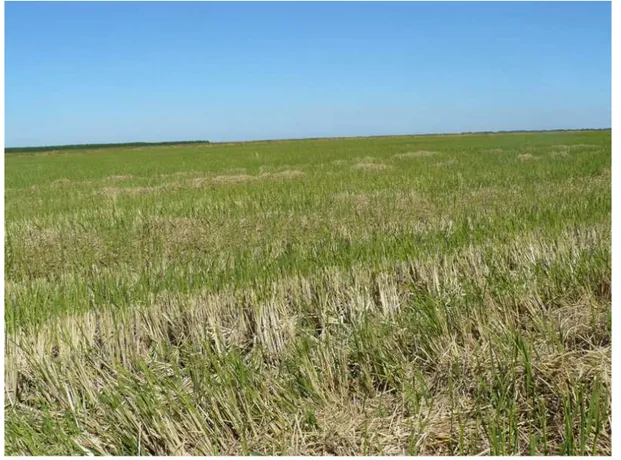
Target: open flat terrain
x: 397, y: 295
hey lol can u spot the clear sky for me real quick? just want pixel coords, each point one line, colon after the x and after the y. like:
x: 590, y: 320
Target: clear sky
x: 122, y: 72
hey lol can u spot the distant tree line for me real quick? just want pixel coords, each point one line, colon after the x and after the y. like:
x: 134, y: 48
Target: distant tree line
x: 96, y: 146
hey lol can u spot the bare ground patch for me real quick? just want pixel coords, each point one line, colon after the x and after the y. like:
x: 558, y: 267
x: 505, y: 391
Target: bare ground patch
x: 287, y: 174
x: 564, y: 147
x: 415, y: 154
x: 527, y: 157
x: 64, y: 182
x: 114, y: 192
x: 370, y: 166
x: 232, y: 179
x: 444, y: 164
x: 367, y: 159
x: 585, y: 146
x: 119, y: 177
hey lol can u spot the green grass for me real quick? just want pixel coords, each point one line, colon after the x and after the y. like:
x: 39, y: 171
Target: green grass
x: 399, y: 295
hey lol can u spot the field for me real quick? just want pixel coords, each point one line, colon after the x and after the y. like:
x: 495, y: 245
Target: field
x: 400, y: 295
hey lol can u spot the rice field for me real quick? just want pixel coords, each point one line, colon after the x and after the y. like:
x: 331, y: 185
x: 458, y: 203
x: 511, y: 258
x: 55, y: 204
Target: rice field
x: 415, y: 295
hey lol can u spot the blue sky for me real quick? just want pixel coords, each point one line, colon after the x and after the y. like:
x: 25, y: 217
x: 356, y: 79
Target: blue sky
x: 120, y: 72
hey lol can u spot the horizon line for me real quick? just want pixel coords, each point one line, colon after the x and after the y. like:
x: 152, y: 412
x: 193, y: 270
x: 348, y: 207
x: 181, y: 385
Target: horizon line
x: 292, y: 139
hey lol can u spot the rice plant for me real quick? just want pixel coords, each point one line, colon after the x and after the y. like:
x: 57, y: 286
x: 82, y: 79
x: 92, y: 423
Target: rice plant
x: 430, y: 295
